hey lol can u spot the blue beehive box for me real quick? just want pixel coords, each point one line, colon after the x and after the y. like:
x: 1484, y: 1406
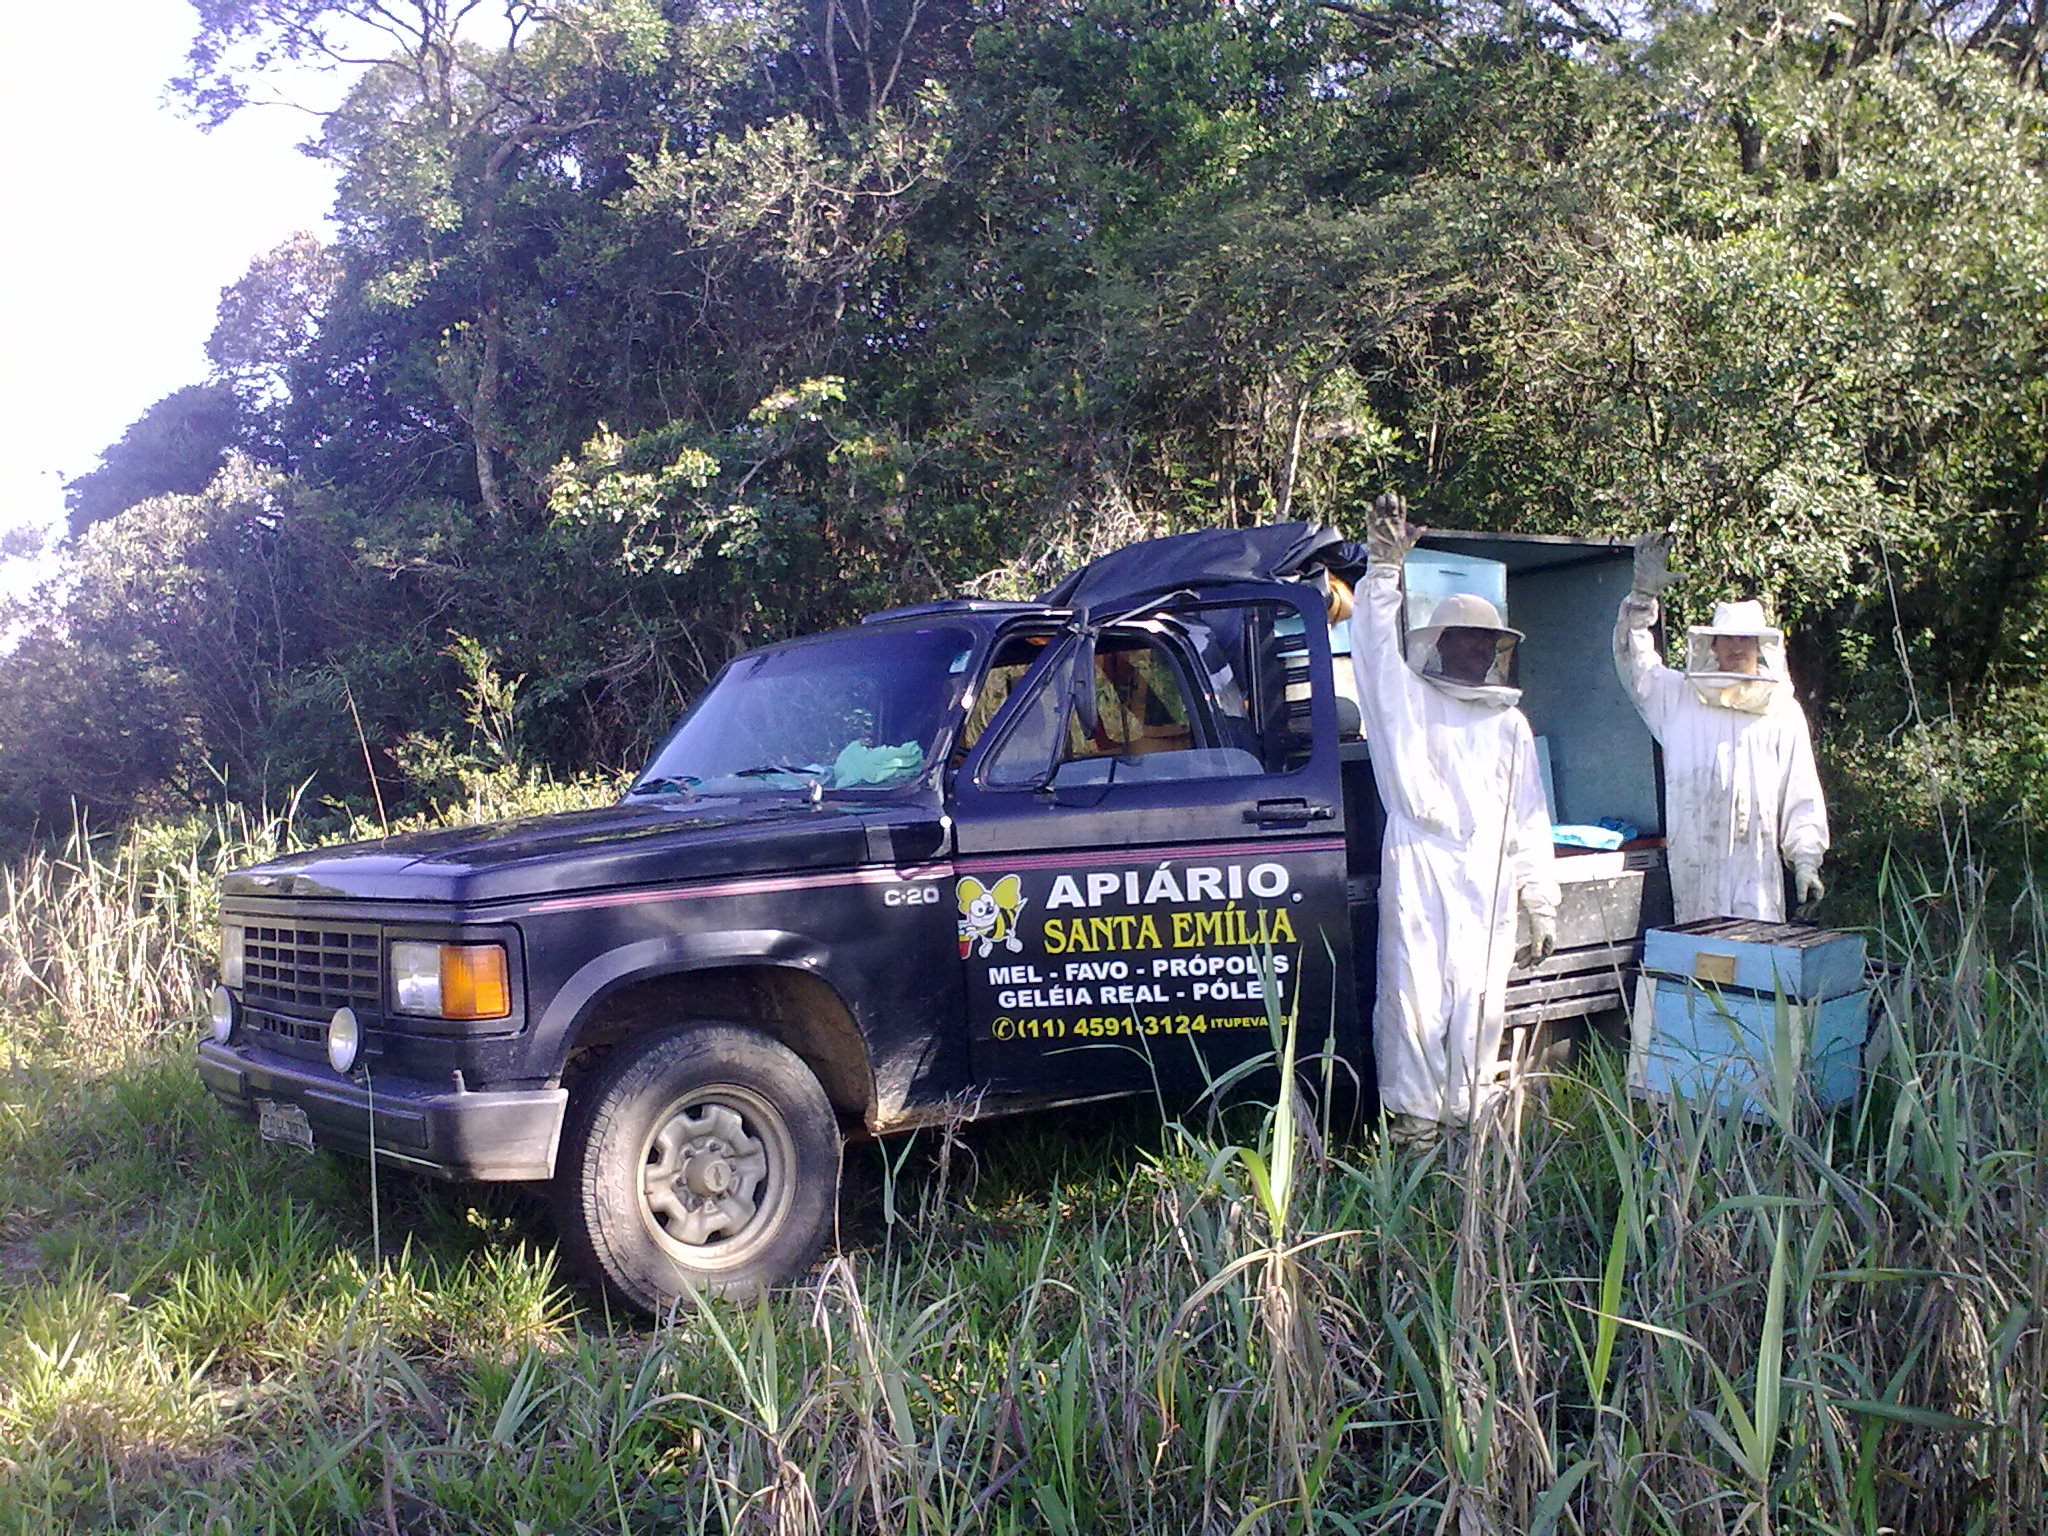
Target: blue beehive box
x: 1428, y: 576
x: 1738, y: 1012
x: 1809, y: 965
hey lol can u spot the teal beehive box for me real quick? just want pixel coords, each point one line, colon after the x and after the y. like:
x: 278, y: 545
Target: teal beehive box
x: 1428, y: 576
x: 1808, y: 964
x: 1742, y: 1013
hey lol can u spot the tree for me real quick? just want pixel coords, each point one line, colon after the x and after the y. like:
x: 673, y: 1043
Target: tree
x: 269, y: 319
x: 654, y: 330
x: 162, y: 664
x: 174, y: 447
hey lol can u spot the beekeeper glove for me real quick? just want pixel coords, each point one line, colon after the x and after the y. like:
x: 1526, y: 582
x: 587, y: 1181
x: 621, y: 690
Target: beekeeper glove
x: 1807, y: 887
x: 1542, y: 936
x: 1653, y: 565
x: 1388, y: 533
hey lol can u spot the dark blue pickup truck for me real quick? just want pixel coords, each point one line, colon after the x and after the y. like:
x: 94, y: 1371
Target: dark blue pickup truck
x: 964, y: 859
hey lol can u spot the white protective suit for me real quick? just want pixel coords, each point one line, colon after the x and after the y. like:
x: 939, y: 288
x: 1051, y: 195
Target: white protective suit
x: 1468, y: 834
x: 1740, y: 791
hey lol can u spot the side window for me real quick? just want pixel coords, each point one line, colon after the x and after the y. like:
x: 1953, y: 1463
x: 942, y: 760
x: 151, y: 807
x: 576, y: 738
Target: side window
x: 1006, y: 670
x: 1141, y: 704
x: 1024, y: 757
x: 1218, y: 691
x: 1279, y: 707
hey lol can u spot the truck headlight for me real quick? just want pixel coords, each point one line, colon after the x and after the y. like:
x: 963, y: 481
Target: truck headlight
x: 451, y: 981
x: 231, y: 956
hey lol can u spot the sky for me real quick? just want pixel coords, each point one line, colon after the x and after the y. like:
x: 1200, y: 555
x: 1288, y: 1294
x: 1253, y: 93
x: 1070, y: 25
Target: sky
x: 124, y: 223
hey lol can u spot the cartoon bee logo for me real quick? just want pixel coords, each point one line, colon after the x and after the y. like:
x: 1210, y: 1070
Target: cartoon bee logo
x: 988, y: 914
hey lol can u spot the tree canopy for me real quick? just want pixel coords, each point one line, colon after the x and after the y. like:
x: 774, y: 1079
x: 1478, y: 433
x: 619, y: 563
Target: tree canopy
x: 655, y: 329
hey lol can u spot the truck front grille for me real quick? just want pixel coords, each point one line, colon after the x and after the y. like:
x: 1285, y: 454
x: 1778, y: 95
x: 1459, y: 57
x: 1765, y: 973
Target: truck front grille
x: 283, y: 1028
x: 312, y: 968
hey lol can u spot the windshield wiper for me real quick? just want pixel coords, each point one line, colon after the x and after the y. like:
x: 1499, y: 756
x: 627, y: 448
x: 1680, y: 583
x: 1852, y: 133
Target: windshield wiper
x: 814, y: 778
x: 685, y: 786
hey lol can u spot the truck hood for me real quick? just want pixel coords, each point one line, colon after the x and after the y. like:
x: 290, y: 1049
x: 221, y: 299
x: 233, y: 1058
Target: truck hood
x: 623, y: 845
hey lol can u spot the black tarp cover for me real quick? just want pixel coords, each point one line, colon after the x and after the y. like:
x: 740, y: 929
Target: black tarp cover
x: 1207, y: 558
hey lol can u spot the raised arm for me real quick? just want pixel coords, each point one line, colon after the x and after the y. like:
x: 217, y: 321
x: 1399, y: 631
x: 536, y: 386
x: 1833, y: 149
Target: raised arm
x: 1391, y: 697
x: 1650, y: 684
x: 1388, y: 692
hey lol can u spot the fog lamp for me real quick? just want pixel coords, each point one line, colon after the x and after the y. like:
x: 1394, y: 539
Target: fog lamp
x: 220, y: 1015
x: 344, y: 1039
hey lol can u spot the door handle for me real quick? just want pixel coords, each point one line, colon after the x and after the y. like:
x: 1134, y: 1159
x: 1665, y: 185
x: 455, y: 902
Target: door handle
x: 1293, y: 808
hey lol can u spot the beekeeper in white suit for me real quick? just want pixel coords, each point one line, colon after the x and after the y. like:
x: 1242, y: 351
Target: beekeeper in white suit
x: 1741, y: 797
x: 1467, y: 843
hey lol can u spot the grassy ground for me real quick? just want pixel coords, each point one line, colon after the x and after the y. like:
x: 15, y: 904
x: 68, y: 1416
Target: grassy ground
x: 1586, y: 1316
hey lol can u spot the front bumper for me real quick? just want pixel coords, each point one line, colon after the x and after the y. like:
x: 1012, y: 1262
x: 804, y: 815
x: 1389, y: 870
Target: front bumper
x: 446, y: 1131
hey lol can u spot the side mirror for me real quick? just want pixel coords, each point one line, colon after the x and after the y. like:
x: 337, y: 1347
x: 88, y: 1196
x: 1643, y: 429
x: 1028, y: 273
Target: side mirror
x: 1082, y: 684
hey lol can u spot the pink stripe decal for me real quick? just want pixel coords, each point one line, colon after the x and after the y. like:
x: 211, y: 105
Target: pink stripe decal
x: 1081, y: 858
x: 764, y: 885
x: 770, y: 885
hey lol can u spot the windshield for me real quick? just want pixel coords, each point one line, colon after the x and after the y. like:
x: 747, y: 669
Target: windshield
x: 862, y: 710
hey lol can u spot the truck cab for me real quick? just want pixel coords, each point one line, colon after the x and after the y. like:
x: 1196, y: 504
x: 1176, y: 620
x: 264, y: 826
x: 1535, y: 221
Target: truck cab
x: 966, y: 858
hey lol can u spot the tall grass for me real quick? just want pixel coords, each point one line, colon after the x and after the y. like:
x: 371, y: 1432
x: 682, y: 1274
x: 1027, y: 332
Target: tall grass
x: 107, y: 943
x: 1589, y: 1314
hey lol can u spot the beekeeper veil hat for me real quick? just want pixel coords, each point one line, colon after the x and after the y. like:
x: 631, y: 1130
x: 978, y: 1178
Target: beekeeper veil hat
x: 1467, y: 617
x: 1737, y: 660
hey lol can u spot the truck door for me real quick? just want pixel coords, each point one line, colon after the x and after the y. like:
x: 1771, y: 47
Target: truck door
x: 1150, y: 852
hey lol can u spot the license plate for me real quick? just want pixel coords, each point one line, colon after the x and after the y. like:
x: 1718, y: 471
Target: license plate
x: 284, y: 1122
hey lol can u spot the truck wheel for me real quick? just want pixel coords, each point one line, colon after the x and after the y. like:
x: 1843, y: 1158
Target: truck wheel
x: 702, y: 1159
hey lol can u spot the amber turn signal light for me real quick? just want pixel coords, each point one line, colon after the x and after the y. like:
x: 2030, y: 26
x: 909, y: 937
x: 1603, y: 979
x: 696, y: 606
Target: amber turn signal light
x: 475, y: 982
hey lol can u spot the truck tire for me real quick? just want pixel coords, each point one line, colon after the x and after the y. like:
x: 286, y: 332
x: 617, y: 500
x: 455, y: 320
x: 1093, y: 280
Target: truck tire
x: 701, y: 1159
